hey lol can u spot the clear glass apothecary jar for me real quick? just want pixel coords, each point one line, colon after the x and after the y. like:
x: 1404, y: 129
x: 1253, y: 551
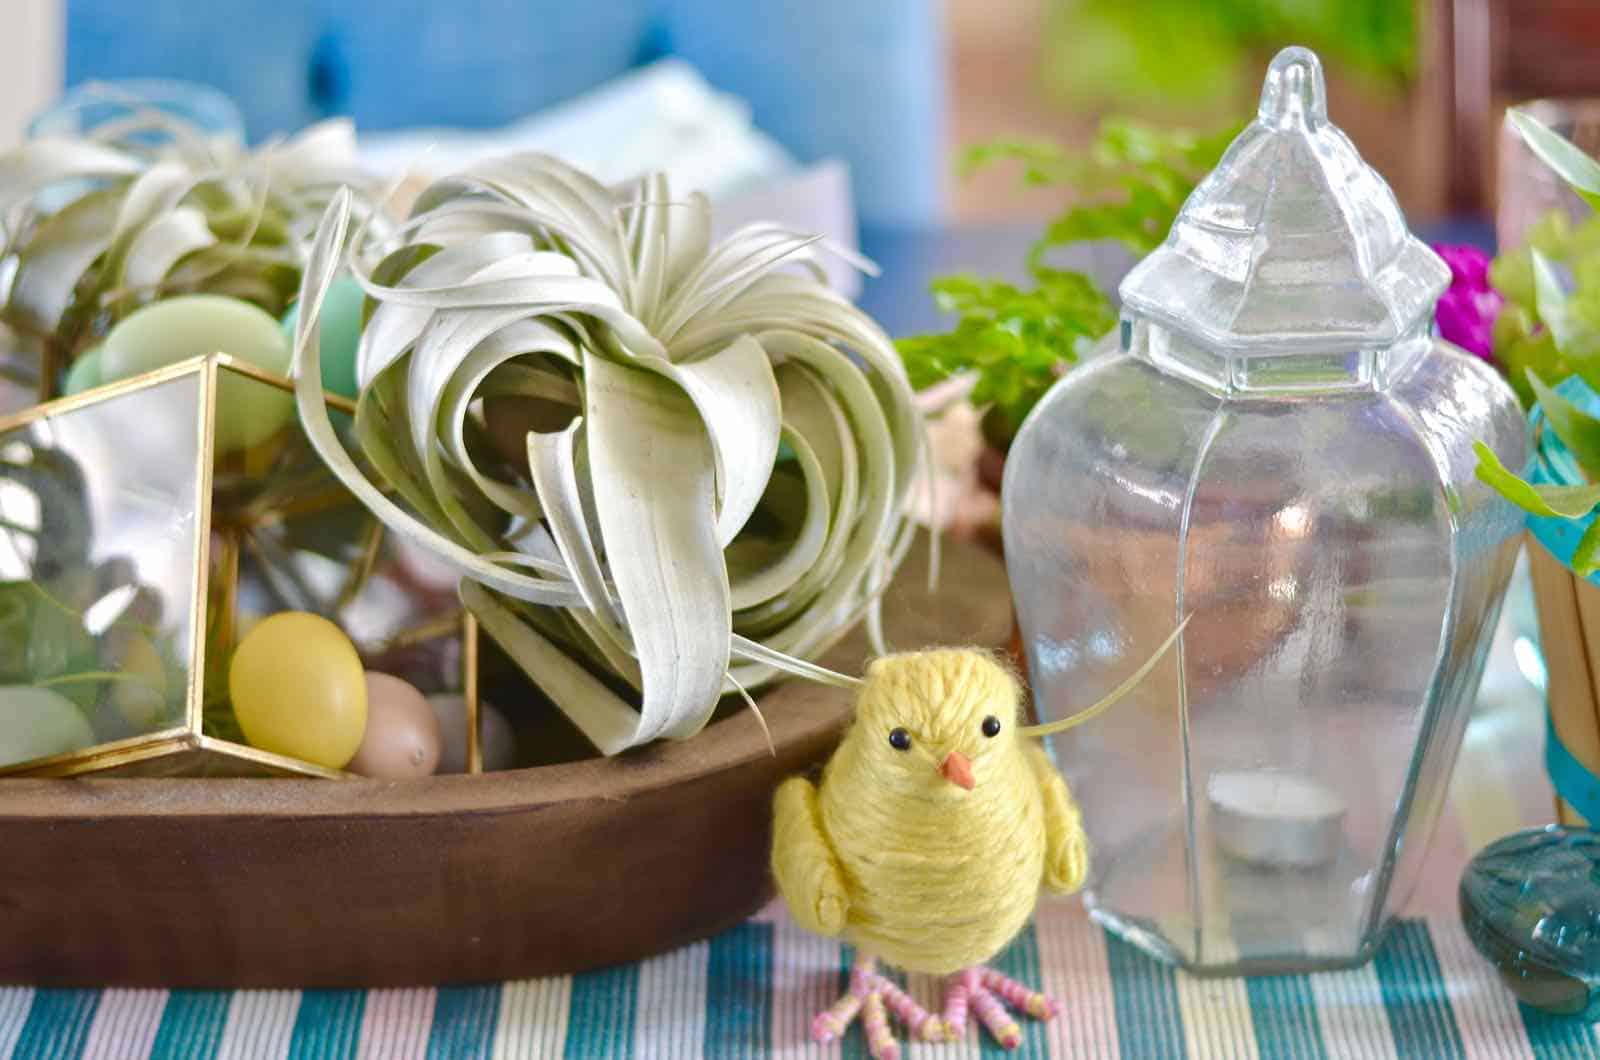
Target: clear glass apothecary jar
x: 1275, y: 445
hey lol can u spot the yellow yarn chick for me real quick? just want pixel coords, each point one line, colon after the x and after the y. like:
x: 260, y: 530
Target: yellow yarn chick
x: 926, y: 845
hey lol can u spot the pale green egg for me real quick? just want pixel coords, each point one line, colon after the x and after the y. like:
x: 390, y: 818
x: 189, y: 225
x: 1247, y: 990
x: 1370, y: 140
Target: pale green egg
x: 38, y: 723
x: 175, y: 329
x: 341, y: 334
x: 84, y: 373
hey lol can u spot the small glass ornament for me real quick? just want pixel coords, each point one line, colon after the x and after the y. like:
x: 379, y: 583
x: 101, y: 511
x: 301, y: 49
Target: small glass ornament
x: 98, y: 107
x: 1531, y: 905
x: 1274, y: 445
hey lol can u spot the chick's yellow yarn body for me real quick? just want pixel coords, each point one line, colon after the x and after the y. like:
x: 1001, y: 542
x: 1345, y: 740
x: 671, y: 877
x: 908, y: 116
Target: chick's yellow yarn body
x: 935, y: 877
x: 940, y: 880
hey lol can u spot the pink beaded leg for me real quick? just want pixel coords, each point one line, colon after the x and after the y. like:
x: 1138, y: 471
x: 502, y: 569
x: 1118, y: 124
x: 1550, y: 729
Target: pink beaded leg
x: 997, y: 1019
x: 984, y: 990
x: 832, y: 1022
x: 956, y: 996
x: 875, y: 1023
x: 1019, y: 997
x: 872, y: 996
x: 918, y: 1021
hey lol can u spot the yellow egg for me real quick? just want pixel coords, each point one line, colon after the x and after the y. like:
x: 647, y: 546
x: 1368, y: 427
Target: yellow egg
x: 403, y: 741
x: 298, y: 689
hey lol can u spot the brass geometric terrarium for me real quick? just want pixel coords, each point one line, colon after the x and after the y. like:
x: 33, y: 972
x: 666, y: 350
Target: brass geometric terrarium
x: 143, y: 526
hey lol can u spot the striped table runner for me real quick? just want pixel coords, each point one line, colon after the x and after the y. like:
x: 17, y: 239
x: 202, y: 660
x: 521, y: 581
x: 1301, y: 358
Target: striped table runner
x: 752, y: 992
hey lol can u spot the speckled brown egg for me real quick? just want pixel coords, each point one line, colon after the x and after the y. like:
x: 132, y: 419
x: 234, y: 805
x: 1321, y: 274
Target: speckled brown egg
x: 403, y: 740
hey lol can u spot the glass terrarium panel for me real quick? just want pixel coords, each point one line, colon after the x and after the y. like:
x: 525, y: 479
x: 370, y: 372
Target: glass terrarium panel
x: 99, y: 520
x: 1117, y: 471
x: 287, y: 536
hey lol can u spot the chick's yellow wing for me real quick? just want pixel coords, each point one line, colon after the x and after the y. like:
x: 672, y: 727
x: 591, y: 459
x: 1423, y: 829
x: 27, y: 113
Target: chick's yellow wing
x: 803, y: 860
x: 1066, y: 860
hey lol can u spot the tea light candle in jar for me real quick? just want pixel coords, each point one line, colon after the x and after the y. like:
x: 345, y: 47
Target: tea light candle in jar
x: 1275, y: 818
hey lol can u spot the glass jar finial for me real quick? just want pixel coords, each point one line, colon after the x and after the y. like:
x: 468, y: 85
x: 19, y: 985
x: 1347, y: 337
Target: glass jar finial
x: 1294, y: 89
x: 1292, y: 248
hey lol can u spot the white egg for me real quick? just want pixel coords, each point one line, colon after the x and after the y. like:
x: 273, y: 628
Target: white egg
x: 497, y: 738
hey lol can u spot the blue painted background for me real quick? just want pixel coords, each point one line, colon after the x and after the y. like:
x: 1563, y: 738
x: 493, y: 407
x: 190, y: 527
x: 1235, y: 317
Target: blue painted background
x: 858, y: 79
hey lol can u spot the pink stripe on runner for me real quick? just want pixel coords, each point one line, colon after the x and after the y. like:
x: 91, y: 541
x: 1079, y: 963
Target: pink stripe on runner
x: 396, y: 1023
x: 1072, y: 963
x: 806, y: 979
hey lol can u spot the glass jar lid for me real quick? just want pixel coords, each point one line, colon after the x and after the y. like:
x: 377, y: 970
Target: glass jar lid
x: 1293, y: 243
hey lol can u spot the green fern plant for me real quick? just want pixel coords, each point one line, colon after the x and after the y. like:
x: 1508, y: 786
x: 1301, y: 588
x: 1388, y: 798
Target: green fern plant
x: 1127, y: 186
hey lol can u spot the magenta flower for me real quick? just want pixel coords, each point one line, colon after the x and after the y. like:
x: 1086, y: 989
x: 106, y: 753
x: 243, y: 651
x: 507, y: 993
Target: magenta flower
x: 1469, y: 306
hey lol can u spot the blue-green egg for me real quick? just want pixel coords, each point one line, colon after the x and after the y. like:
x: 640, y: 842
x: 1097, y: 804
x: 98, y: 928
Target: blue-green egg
x: 341, y: 333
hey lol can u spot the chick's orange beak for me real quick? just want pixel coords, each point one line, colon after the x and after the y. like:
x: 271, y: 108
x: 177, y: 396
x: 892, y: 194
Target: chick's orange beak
x: 957, y: 769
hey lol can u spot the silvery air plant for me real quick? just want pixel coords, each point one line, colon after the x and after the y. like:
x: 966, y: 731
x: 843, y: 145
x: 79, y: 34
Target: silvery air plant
x: 93, y: 226
x: 665, y: 469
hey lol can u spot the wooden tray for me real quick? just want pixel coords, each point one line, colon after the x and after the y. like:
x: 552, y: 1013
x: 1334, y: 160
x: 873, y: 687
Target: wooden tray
x: 305, y: 883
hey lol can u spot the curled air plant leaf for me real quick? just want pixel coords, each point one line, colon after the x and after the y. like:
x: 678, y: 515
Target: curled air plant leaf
x: 666, y: 470
x: 148, y: 206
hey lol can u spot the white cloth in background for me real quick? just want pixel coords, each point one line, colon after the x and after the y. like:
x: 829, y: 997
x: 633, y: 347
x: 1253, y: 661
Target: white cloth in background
x: 661, y: 117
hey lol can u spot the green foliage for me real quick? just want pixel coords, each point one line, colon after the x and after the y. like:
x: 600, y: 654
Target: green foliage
x: 1128, y: 185
x: 1179, y: 52
x: 1566, y: 159
x: 1546, y: 327
x: 1550, y: 330
x: 1016, y: 340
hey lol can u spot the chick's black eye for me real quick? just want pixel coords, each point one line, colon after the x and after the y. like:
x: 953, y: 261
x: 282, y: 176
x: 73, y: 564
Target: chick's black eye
x: 991, y: 726
x: 899, y: 739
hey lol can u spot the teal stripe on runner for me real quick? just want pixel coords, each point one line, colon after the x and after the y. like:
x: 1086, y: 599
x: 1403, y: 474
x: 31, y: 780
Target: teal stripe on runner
x: 191, y: 1025
x: 1149, y: 1025
x: 15, y: 1001
x: 1019, y: 961
x: 464, y: 1020
x: 600, y: 1013
x: 57, y: 1025
x: 1283, y: 1013
x: 1414, y: 995
x: 328, y: 1025
x: 1558, y: 1038
x: 739, y: 993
